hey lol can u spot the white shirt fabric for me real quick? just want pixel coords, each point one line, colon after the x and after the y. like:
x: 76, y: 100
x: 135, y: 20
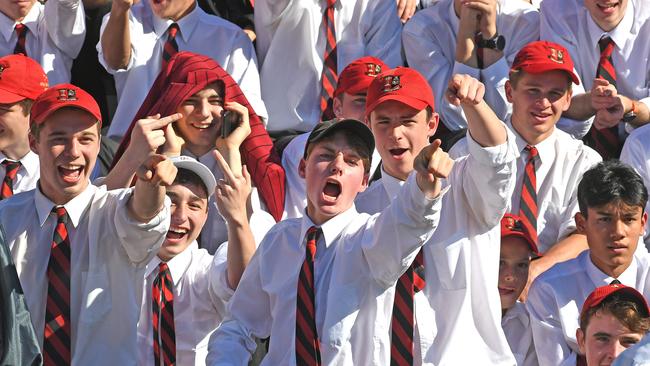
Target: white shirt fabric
x: 27, y: 175
x: 460, y: 304
x: 109, y: 252
x: 636, y: 152
x: 556, y: 297
x: 291, y: 46
x: 637, y: 355
x: 516, y: 326
x: 429, y: 40
x: 55, y: 35
x: 569, y: 23
x: 199, y: 32
x: 357, y: 258
x: 561, y: 162
x: 201, y: 293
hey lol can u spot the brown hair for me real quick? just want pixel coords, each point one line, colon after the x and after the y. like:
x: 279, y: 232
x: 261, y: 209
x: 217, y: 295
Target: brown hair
x: 627, y: 311
x: 351, y: 139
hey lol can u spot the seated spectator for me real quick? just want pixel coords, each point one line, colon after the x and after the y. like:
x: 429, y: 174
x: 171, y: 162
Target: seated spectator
x: 137, y: 41
x: 612, y: 199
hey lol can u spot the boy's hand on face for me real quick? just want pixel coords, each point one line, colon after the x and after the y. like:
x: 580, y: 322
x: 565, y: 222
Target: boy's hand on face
x: 432, y: 164
x: 232, y: 192
x: 487, y: 9
x: 465, y: 90
x: 149, y: 134
x: 157, y: 170
x: 236, y: 137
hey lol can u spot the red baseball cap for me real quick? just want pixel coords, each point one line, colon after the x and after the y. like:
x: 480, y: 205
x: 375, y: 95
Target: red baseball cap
x: 603, y: 292
x: 20, y: 78
x: 511, y: 225
x: 542, y: 56
x: 357, y: 76
x: 401, y: 84
x: 61, y: 96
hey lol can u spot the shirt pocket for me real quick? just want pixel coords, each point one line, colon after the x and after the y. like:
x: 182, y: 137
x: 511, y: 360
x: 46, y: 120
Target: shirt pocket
x: 97, y: 297
x: 449, y: 262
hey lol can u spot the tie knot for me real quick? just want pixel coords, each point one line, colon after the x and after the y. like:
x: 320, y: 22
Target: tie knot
x: 173, y: 29
x: 532, y: 151
x: 61, y: 214
x: 163, y: 267
x: 312, y: 238
x: 606, y: 45
x: 11, y: 166
x: 615, y: 282
x: 19, y: 27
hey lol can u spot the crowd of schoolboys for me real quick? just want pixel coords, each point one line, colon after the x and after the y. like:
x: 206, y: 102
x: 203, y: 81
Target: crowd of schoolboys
x: 287, y: 191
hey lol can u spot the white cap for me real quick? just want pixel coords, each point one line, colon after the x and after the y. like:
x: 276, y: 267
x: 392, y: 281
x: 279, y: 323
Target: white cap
x: 196, y: 167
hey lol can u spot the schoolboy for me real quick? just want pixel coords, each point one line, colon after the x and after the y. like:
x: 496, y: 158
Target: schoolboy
x: 79, y: 250
x: 612, y: 198
x: 517, y: 250
x: 313, y: 300
x: 22, y: 80
x: 349, y: 102
x: 400, y: 111
x: 613, y: 318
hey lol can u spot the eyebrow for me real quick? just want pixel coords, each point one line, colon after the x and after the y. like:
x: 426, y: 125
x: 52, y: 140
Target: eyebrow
x: 602, y: 334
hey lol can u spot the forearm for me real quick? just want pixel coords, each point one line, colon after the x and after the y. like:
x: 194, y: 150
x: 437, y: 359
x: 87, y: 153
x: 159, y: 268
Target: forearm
x: 241, y: 247
x: 116, y: 38
x: 642, y: 113
x: 483, y: 125
x: 565, y: 249
x: 122, y: 173
x: 146, y: 201
x: 232, y: 156
x: 466, y: 50
x: 580, y: 108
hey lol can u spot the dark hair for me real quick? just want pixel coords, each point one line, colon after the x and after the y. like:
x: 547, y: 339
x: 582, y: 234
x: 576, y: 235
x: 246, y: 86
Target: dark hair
x: 355, y: 141
x: 626, y: 310
x: 611, y: 181
x: 186, y: 176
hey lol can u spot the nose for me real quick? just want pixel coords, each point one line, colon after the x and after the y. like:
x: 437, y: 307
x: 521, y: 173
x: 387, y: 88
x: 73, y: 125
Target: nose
x: 204, y: 108
x: 544, y: 101
x: 72, y: 148
x: 396, y: 133
x: 507, y: 273
x: 178, y: 214
x: 338, y: 164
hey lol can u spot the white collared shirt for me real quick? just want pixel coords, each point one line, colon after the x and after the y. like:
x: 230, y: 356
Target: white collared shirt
x: 569, y: 23
x: 637, y: 355
x: 27, y: 175
x: 201, y: 293
x: 109, y: 252
x: 291, y: 45
x: 556, y: 297
x: 516, y: 326
x: 636, y: 152
x: 357, y: 258
x: 460, y: 304
x: 430, y: 46
x: 199, y: 32
x: 561, y: 162
x: 55, y: 35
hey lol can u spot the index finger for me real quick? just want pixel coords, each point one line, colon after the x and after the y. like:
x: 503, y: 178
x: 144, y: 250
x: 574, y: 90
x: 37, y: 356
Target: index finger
x: 162, y: 122
x: 224, y: 166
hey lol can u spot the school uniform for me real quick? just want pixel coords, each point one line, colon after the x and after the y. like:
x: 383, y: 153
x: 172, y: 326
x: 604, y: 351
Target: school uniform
x: 55, y: 34
x: 357, y: 258
x: 516, y: 326
x: 27, y: 175
x: 198, y: 32
x: 109, y: 252
x: 556, y: 296
x: 291, y: 86
x: 429, y: 39
x: 460, y: 304
x: 201, y: 293
x: 636, y: 152
x: 637, y: 355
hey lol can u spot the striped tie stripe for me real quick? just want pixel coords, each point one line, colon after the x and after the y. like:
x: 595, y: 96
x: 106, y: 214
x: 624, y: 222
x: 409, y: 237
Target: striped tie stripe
x: 170, y: 48
x: 162, y: 306
x: 11, y: 170
x: 21, y: 33
x: 56, y: 341
x: 329, y: 76
x: 528, y: 202
x: 307, y: 343
x: 402, y: 323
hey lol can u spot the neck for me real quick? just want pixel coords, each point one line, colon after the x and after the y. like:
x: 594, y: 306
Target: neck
x: 198, y: 150
x: 397, y: 175
x: 181, y: 15
x: 612, y: 271
x: 16, y: 152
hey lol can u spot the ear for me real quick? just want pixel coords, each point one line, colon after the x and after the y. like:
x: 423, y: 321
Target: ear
x: 581, y: 222
x: 364, y: 183
x: 337, y: 106
x: 580, y: 336
x: 433, y: 124
x: 508, y: 91
x: 32, y: 143
x: 302, y: 168
x: 644, y: 219
x: 568, y: 96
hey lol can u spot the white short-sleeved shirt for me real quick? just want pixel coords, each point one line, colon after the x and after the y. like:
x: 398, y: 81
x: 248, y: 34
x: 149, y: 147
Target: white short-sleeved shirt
x: 55, y: 35
x: 636, y: 152
x: 201, y: 293
x: 109, y: 252
x: 291, y: 46
x: 556, y: 297
x: 516, y: 326
x: 430, y: 46
x: 460, y: 304
x: 27, y: 175
x: 357, y: 258
x: 199, y: 32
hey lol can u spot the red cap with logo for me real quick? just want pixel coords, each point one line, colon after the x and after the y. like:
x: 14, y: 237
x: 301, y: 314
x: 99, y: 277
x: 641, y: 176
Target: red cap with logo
x: 20, y: 78
x: 511, y: 225
x: 357, y: 76
x: 61, y: 96
x: 401, y: 84
x: 542, y: 56
x: 603, y: 292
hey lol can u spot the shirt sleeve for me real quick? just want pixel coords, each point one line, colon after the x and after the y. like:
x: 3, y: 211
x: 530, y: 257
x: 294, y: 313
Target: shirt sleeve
x: 134, y: 40
x: 637, y: 157
x: 220, y: 291
x: 382, y: 32
x: 66, y: 25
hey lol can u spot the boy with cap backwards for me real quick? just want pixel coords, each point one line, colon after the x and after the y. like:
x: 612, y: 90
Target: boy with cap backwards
x: 517, y: 250
x: 613, y: 318
x: 611, y: 197
x: 21, y: 81
x: 458, y: 302
x: 349, y: 102
x: 312, y: 283
x: 79, y: 250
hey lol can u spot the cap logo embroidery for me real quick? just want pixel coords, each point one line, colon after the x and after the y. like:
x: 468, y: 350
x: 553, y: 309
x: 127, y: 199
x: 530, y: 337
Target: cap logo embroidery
x: 556, y: 55
x: 391, y: 83
x: 509, y: 222
x: 373, y: 69
x: 3, y: 67
x: 67, y: 95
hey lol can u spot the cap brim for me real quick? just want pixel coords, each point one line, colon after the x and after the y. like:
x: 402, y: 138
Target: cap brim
x: 47, y: 113
x: 532, y: 246
x: 550, y: 67
x: 349, y: 125
x: 199, y: 169
x: 7, y: 97
x: 409, y: 101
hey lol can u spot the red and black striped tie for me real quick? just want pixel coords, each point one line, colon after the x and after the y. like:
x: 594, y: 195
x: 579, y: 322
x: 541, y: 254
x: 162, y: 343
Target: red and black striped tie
x: 21, y: 33
x: 307, y: 344
x: 56, y: 341
x: 170, y: 48
x: 11, y: 169
x: 162, y: 304
x: 329, y: 76
x: 402, y: 323
x: 605, y: 141
x: 528, y: 203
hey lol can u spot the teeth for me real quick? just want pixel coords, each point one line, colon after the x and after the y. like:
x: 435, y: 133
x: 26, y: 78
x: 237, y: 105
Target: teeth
x: 178, y: 231
x: 70, y: 167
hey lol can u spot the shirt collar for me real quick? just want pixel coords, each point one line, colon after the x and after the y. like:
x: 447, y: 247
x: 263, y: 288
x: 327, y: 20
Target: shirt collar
x: 599, y: 278
x: 517, y: 311
x: 620, y: 34
x: 391, y: 184
x: 177, y: 265
x: 75, y: 207
x: 332, y: 228
x: 186, y: 24
x: 29, y: 162
x: 545, y: 149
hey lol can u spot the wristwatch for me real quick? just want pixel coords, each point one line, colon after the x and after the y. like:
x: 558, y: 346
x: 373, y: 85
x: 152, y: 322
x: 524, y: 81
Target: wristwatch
x: 498, y: 42
x: 631, y: 115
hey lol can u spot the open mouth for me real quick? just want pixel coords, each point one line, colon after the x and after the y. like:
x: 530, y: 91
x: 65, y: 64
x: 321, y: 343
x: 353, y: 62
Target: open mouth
x: 607, y: 8
x: 70, y: 173
x: 176, y: 234
x: 540, y: 116
x: 398, y: 153
x: 204, y: 125
x: 332, y: 190
x: 506, y: 291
